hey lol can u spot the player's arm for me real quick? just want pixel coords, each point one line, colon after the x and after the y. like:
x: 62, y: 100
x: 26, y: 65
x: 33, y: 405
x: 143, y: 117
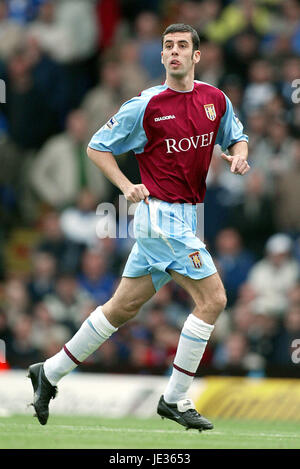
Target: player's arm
x: 232, y: 138
x: 122, y: 133
x: 106, y: 162
x: 237, y: 158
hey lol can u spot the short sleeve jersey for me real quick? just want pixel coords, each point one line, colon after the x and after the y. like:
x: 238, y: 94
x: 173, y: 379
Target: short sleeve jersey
x: 172, y: 134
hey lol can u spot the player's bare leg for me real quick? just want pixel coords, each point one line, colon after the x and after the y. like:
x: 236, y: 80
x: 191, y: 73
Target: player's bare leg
x: 130, y: 295
x: 210, y: 300
x: 208, y: 294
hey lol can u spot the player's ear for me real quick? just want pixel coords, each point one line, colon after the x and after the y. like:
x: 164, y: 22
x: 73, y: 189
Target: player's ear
x: 196, y: 57
x: 161, y: 58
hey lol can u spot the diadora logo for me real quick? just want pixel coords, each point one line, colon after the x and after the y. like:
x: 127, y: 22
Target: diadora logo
x: 164, y: 118
x: 185, y: 144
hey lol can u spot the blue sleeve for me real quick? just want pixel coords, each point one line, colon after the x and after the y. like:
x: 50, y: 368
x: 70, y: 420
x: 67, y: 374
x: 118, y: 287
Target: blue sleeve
x: 124, y: 131
x: 231, y: 129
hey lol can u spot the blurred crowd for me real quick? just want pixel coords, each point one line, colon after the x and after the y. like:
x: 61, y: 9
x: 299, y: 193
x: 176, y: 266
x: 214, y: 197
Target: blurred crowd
x: 67, y: 66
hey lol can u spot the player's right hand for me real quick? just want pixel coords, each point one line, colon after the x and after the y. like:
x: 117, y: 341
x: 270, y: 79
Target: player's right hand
x: 238, y: 164
x: 136, y: 193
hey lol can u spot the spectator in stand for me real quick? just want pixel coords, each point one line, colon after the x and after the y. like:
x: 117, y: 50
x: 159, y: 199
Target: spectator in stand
x: 105, y: 360
x: 240, y: 52
x: 3, y: 121
x: 51, y: 79
x: 233, y: 260
x: 198, y: 14
x: 21, y: 350
x: 151, y: 352
x: 67, y: 253
x: 56, y: 179
x: 217, y: 199
x: 189, y: 12
x: 66, y: 30
x: 108, y: 18
x: 26, y: 103
x: 232, y: 86
x: 273, y: 155
x: 263, y: 333
x: 11, y: 184
x: 281, y: 145
x: 257, y: 125
x: 294, y: 295
x: 242, y: 319
x: 5, y: 330
x: 11, y: 33
x: 284, y: 31
x: 253, y: 216
x: 101, y: 102
x: 79, y: 223
x: 68, y: 304
x: 276, y: 110
x: 54, y: 39
x: 94, y: 278
x: 246, y: 296
x: 164, y: 307
x: 223, y: 180
x: 42, y: 281
x: 23, y: 11
x: 211, y: 66
x: 274, y: 275
x: 234, y: 357
x: 133, y: 77
x: 47, y: 334
x: 238, y: 16
x: 15, y: 301
x: 147, y: 31
x: 78, y: 18
x: 260, y: 88
x: 286, y: 209
x: 166, y: 339
x: 284, y: 347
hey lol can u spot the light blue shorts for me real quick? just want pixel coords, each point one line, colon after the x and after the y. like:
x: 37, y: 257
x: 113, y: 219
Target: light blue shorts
x: 166, y: 239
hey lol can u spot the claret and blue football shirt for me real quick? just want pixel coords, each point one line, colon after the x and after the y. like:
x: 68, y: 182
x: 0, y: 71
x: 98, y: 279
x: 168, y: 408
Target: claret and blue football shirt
x: 172, y: 134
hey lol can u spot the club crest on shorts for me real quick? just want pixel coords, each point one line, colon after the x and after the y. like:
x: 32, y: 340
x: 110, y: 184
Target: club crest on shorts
x: 210, y: 111
x: 196, y: 259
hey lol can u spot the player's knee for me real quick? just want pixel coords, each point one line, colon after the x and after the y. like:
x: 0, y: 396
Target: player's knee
x: 220, y: 299
x: 130, y: 308
x: 212, y: 304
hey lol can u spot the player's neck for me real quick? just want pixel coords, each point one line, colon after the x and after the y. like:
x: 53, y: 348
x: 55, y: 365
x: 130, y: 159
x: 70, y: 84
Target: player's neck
x: 180, y: 83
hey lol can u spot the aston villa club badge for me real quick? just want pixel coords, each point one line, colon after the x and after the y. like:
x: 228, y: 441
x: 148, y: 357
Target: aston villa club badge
x: 196, y: 259
x: 210, y: 111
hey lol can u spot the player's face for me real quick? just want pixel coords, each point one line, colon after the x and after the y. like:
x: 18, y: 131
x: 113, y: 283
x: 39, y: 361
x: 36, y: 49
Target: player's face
x: 177, y: 55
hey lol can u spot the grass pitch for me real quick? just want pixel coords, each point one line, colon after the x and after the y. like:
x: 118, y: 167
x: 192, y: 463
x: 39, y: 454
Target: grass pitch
x: 24, y: 432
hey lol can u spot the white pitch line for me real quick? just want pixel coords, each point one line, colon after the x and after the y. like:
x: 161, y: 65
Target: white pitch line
x: 193, y: 432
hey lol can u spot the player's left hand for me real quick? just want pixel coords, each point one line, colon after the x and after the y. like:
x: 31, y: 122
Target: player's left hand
x: 238, y: 163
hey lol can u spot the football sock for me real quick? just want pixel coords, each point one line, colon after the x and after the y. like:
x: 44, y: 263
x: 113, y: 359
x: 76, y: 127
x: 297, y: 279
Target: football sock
x: 192, y: 343
x: 95, y: 330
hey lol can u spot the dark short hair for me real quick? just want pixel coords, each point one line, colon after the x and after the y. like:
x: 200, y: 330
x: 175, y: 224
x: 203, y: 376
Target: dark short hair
x: 183, y: 28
